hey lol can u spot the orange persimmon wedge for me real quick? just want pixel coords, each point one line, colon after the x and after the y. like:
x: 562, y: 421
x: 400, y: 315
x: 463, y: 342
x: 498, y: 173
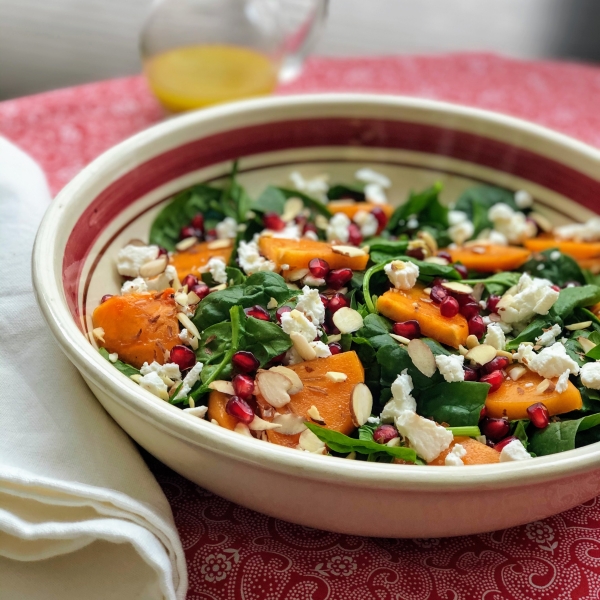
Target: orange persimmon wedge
x: 477, y: 453
x: 139, y: 327
x: 298, y: 253
x: 513, y: 398
x: 217, y: 401
x: 189, y: 262
x: 401, y: 306
x: 489, y: 258
x: 350, y: 208
x: 576, y: 250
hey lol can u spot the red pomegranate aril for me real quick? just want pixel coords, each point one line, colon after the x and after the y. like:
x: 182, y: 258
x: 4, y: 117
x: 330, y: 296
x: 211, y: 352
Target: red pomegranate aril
x: 438, y: 294
x: 187, y: 231
x: 381, y: 217
x: 354, y: 235
x: 211, y: 235
x: 449, y: 307
x: 243, y: 385
x: 492, y: 303
x: 469, y: 310
x: 324, y: 300
x: 384, y: 434
x: 200, y: 289
x: 329, y: 326
x: 318, y: 267
x: 462, y: 270
x: 496, y: 364
x: 273, y: 221
x: 556, y: 288
x: 237, y: 407
x: 465, y: 299
x: 471, y: 374
x: 301, y: 220
x: 495, y: 379
x: 162, y: 251
x: 538, y: 415
x: 503, y: 443
x: 417, y: 253
x: 476, y: 326
x: 494, y: 429
x: 310, y: 227
x: 183, y: 357
x: 445, y: 255
x: 408, y: 329
x: 338, y: 278
x: 245, y: 361
x: 281, y: 311
x: 190, y: 281
x: 105, y: 298
x: 336, y: 302
x: 258, y: 312
x: 198, y: 222
x: 483, y: 413
x: 335, y: 348
x: 278, y: 360
x: 437, y: 281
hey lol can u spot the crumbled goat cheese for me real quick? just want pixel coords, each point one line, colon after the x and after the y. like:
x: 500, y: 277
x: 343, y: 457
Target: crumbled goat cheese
x: 425, y: 437
x: 454, y: 457
x: 375, y: 193
x: 186, y: 337
x: 584, y: 232
x: 189, y: 381
x: 313, y: 281
x: 337, y: 228
x: 412, y: 223
x: 113, y: 357
x: 451, y: 367
x: 226, y: 229
x: 131, y: 258
x: 553, y: 362
x: 295, y: 321
x: 403, y: 275
x: 401, y: 398
x: 532, y: 296
x: 155, y: 385
x: 367, y: 222
x: 495, y: 336
x: 250, y: 259
x: 492, y: 236
x: 216, y: 267
x: 457, y: 216
x: 525, y: 354
x: 590, y: 375
x: 514, y: 451
x: 523, y: 199
x: 322, y: 350
x: 311, y: 235
x: 292, y: 357
x: 292, y: 231
x: 135, y: 286
x: 317, y: 186
x: 367, y: 175
x: 510, y: 223
x: 549, y: 337
x: 374, y: 420
x: 163, y: 281
x: 461, y: 232
x: 311, y: 305
x: 555, y: 255
x: 168, y: 370
x: 562, y: 383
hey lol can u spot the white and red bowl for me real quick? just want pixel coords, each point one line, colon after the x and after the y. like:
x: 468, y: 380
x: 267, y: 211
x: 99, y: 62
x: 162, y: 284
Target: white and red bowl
x: 415, y: 143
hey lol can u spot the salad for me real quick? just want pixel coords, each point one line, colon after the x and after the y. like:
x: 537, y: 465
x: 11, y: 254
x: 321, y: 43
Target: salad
x: 320, y: 318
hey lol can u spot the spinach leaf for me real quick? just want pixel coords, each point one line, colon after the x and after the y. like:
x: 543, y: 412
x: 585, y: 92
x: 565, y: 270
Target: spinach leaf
x: 235, y: 201
x: 532, y: 331
x: 271, y: 200
x: 264, y: 339
x: 234, y: 277
x: 519, y: 430
x: 476, y: 202
x: 126, y: 369
x: 376, y: 329
x: 565, y: 435
x: 425, y: 206
x: 554, y: 266
x: 573, y: 297
x: 459, y: 403
x: 214, y: 343
x: 338, y: 442
x: 383, y: 250
x: 365, y: 432
x: 497, y: 283
x: 355, y: 191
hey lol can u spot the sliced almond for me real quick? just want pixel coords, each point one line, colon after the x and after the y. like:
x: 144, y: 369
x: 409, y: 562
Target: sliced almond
x: 302, y: 347
x: 258, y: 424
x: 336, y: 337
x: 218, y: 288
x: 478, y: 290
x: 481, y: 354
x: 399, y: 338
x: 186, y: 243
x: 576, y: 326
x: 274, y: 388
x: 297, y: 385
x: 291, y: 209
x: 336, y: 377
x: 429, y: 240
x: 289, y: 424
x: 505, y: 354
x: 420, y: 245
x: 192, y: 298
x: 321, y: 222
x: 220, y: 385
x: 427, y: 291
x: 272, y: 303
x: 135, y: 377
x: 181, y: 298
x: 310, y: 442
x: 196, y: 411
x: 154, y: 267
x: 436, y: 260
x: 315, y: 415
x: 361, y: 404
x: 349, y: 251
x: 394, y: 442
x: 462, y: 350
x: 187, y: 323
x: 457, y: 288
x: 545, y: 386
x: 517, y: 372
x: 242, y: 429
x: 541, y: 221
x: 422, y: 357
x: 351, y: 456
x: 472, y: 341
x: 296, y: 274
x: 219, y: 244
x: 586, y: 344
x: 136, y: 242
x: 98, y: 334
x: 347, y: 320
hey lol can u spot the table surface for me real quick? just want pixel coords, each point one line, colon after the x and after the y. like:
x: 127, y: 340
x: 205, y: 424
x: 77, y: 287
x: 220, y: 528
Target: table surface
x: 234, y: 553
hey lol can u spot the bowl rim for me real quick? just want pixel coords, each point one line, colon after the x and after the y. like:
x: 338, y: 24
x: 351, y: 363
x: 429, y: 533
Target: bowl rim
x: 202, y: 433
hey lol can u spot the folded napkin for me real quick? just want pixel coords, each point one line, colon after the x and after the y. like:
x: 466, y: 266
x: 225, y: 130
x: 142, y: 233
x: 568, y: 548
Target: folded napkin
x: 81, y: 516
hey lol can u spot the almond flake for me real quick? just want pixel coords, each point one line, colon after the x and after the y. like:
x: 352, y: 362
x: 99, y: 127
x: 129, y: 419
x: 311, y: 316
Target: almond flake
x: 462, y: 350
x: 223, y: 386
x: 541, y: 221
x: 436, y: 260
x: 517, y: 372
x: 196, y: 411
x: 242, y: 429
x: 429, y: 240
x: 274, y: 387
x: 186, y: 243
x: 315, y: 415
x: 427, y: 291
x: 505, y: 354
x: 187, y: 323
x: 136, y: 242
x: 291, y: 209
x: 349, y: 251
x: 181, y: 298
x: 192, y: 298
x: 98, y: 334
x: 302, y: 347
x: 135, y: 377
x: 472, y: 341
x: 361, y: 404
x: 258, y: 424
x: 481, y: 354
x: 393, y: 442
x: 218, y: 288
x: 321, y: 222
x: 310, y: 442
x: 289, y: 424
x: 347, y: 320
x: 545, y: 386
x: 351, y: 456
x: 422, y: 357
x: 296, y: 274
x: 399, y: 338
x: 336, y: 337
x: 336, y: 376
x: 586, y: 344
x: 154, y: 267
x: 457, y: 288
x: 219, y: 244
x: 272, y: 303
x: 297, y: 385
x: 576, y: 326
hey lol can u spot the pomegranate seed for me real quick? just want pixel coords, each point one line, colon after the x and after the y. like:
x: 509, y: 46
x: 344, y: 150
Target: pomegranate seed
x: 476, y: 326
x: 201, y: 290
x: 462, y: 270
x: 538, y: 415
x: 381, y: 217
x: 245, y: 361
x: 338, y: 278
x: 329, y: 326
x: 278, y: 360
x: 503, y: 443
x: 495, y: 379
x: 183, y: 357
x: 281, y: 311
x: 301, y: 220
x: 243, y: 385
x: 354, y: 235
x: 449, y: 307
x: 162, y: 251
x: 417, y: 253
x: 483, y: 413
x: 273, y: 221
x: 190, y: 281
x: 569, y: 284
x: 469, y: 310
x: 198, y: 222
x: 336, y: 302
x: 438, y: 294
x: 492, y: 303
x: 240, y: 409
x: 437, y: 281
x: 385, y: 433
x: 318, y: 268
x: 310, y: 227
x: 211, y: 235
x: 496, y: 364
x: 471, y: 374
x: 335, y: 348
x: 407, y: 329
x: 187, y: 231
x: 258, y: 312
x: 555, y: 288
x: 494, y: 429
x: 324, y: 300
x: 105, y: 298
x: 445, y: 255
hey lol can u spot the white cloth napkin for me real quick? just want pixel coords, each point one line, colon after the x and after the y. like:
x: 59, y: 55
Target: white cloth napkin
x: 81, y: 516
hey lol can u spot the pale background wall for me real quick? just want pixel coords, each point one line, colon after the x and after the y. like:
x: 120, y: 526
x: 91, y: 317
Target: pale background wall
x: 46, y: 44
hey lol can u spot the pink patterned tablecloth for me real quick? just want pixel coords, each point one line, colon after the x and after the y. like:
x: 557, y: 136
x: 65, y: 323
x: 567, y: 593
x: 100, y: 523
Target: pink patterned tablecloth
x: 234, y: 553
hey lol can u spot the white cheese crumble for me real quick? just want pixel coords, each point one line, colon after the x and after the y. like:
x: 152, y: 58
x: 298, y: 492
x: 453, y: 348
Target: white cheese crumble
x: 555, y: 255
x: 456, y: 216
x: 585, y: 232
x: 250, y: 259
x: 337, y: 228
x: 403, y: 275
x: 401, y: 398
x: 131, y: 258
x: 454, y: 457
x: 367, y: 175
x: 216, y: 267
x: 317, y: 186
x: 532, y: 296
x: 549, y: 337
x: 367, y: 222
x: 525, y: 354
x: 291, y: 231
x: 495, y: 336
x: 553, y: 361
x: 492, y: 236
x: 426, y: 438
x: 135, y: 286
x: 375, y: 194
x: 189, y: 381
x: 563, y: 383
x: 374, y: 420
x: 590, y: 375
x: 451, y: 367
x: 296, y: 322
x: 461, y: 232
x: 113, y: 357
x: 510, y: 223
x: 186, y: 337
x: 514, y: 451
x: 322, y: 350
x: 155, y: 385
x: 168, y: 371
x: 292, y: 357
x: 313, y: 281
x: 226, y: 229
x: 523, y: 199
x: 310, y: 304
